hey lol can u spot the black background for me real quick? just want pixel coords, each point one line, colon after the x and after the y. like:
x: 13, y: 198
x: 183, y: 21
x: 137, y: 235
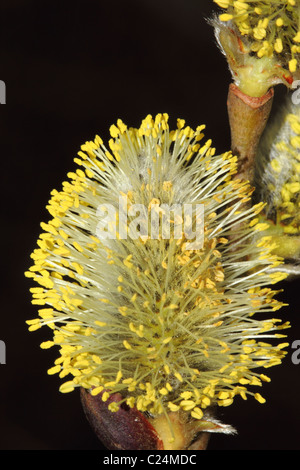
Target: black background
x: 71, y: 69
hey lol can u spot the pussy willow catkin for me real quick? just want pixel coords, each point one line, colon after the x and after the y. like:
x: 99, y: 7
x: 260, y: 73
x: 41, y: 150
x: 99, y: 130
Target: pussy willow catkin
x: 169, y: 328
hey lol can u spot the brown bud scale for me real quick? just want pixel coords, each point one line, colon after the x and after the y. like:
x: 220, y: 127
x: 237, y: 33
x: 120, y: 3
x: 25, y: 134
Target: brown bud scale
x: 125, y: 429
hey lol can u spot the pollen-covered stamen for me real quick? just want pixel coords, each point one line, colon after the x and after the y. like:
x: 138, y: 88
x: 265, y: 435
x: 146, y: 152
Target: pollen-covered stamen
x: 167, y: 326
x: 272, y: 26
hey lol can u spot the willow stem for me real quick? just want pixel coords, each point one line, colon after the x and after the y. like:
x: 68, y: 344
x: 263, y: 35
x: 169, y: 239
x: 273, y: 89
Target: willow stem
x: 247, y: 118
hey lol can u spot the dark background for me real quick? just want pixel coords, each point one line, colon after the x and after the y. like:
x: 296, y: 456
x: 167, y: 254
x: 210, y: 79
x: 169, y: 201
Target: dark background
x: 71, y: 69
